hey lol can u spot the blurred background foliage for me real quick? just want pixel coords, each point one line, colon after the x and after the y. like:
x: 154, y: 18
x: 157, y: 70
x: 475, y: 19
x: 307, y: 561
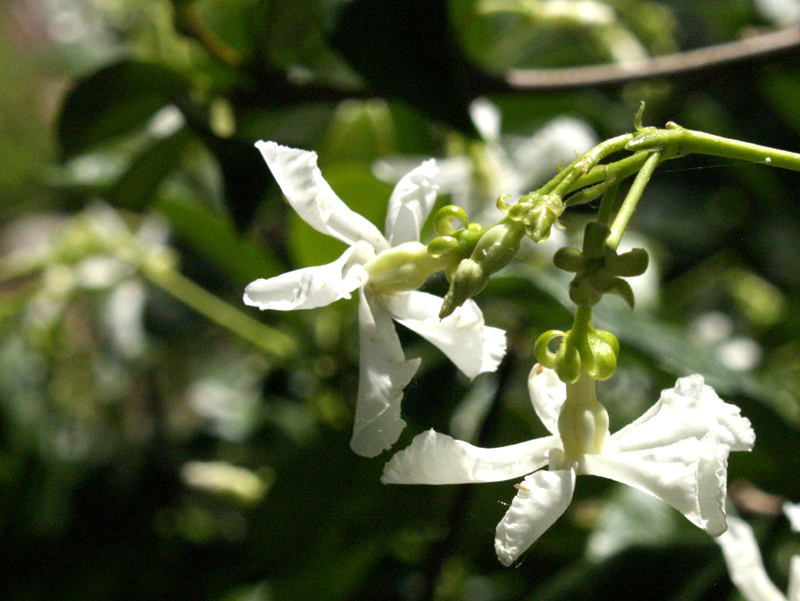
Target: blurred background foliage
x: 159, y: 440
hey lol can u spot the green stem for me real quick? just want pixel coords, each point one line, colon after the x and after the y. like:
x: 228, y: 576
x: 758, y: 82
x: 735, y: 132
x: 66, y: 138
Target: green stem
x: 686, y: 141
x: 631, y: 200
x: 607, y: 202
x: 589, y: 160
x: 268, y: 339
x: 582, y: 324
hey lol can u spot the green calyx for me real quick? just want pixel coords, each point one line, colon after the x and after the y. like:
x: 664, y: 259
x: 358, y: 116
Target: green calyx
x: 583, y: 349
x: 599, y: 269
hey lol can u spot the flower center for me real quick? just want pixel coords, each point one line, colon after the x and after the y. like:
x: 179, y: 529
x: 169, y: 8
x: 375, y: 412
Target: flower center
x: 401, y: 268
x: 583, y: 421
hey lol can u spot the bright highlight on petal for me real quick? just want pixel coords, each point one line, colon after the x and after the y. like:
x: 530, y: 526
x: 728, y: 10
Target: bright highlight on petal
x: 311, y: 196
x: 434, y: 458
x: 312, y: 287
x: 472, y: 346
x: 541, y: 499
x: 411, y: 203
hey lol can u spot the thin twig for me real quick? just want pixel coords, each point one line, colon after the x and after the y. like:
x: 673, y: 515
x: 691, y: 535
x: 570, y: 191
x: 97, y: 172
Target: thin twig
x: 749, y: 48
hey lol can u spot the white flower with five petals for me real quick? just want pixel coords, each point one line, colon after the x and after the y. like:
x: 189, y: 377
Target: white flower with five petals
x: 677, y: 451
x: 387, y: 270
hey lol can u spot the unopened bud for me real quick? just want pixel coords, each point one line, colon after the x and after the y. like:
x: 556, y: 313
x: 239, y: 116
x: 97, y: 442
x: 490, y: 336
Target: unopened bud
x: 539, y: 219
x: 469, y: 279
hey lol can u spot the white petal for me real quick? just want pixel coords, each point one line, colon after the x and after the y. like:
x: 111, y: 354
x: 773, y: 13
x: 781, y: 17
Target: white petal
x: 691, y: 409
x: 411, y: 203
x: 310, y: 195
x: 794, y: 579
x: 690, y: 475
x: 471, y: 345
x: 312, y: 286
x: 486, y: 117
x: 434, y: 458
x: 548, y: 394
x: 541, y: 500
x: 745, y: 567
x: 792, y: 513
x: 383, y: 374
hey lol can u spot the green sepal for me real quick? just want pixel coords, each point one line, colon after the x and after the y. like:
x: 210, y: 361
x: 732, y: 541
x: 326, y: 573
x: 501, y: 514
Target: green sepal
x: 594, y: 239
x: 623, y: 289
x: 569, y: 259
x: 629, y: 264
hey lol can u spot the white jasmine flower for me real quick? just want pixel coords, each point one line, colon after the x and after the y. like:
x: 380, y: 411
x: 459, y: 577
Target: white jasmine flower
x: 745, y: 566
x: 677, y: 451
x: 386, y: 270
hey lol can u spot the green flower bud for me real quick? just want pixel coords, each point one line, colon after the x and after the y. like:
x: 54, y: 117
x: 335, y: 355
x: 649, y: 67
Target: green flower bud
x: 541, y: 349
x: 498, y: 246
x: 541, y: 216
x: 568, y: 362
x: 600, y: 359
x: 469, y: 279
x: 444, y: 217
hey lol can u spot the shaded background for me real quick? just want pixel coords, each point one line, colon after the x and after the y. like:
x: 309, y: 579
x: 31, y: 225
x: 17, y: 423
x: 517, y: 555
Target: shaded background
x: 160, y: 442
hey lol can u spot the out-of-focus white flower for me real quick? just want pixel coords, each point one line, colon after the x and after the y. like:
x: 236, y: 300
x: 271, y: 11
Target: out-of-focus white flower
x: 387, y: 270
x: 677, y: 451
x: 745, y: 566
x: 512, y: 165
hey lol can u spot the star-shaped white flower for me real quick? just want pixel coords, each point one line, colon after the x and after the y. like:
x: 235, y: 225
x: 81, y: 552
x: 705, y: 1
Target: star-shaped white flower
x: 745, y: 566
x: 677, y: 451
x: 368, y: 264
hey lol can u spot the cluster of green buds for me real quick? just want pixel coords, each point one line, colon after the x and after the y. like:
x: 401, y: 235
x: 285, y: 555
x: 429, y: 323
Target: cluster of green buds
x: 598, y: 268
x: 583, y: 349
x: 483, y: 252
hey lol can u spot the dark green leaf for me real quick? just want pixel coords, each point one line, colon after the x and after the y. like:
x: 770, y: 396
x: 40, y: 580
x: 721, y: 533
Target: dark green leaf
x: 406, y: 50
x: 137, y: 187
x: 114, y: 101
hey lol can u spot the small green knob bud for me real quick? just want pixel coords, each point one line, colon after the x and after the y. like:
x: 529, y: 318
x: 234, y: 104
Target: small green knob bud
x: 441, y: 245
